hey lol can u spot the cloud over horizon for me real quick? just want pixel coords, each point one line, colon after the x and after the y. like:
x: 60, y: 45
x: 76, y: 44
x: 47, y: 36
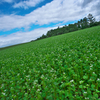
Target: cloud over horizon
x: 22, y: 37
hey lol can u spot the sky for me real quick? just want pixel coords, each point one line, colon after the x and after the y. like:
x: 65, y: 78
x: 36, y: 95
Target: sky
x: 25, y: 20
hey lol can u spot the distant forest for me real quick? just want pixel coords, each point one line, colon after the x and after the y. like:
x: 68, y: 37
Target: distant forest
x: 86, y: 22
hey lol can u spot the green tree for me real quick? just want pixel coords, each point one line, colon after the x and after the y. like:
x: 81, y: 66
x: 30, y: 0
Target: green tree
x: 91, y: 19
x: 81, y: 23
x: 78, y: 24
x: 85, y: 22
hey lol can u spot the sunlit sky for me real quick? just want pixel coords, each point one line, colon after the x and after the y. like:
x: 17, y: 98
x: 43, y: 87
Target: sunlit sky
x: 25, y: 20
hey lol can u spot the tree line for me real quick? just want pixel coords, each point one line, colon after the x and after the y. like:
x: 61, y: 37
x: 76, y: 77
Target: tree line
x: 86, y: 22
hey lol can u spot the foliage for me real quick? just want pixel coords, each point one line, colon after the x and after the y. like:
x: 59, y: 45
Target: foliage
x: 86, y: 22
x: 64, y: 67
x: 91, y: 19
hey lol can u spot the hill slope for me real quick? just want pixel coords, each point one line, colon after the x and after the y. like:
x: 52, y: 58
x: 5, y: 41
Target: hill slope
x: 61, y: 67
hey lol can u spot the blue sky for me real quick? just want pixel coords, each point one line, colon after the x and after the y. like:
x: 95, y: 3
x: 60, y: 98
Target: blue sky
x: 25, y: 20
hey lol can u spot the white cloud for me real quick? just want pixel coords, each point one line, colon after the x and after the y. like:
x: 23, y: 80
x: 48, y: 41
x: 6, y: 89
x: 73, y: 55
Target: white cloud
x: 51, y: 12
x: 27, y: 4
x: 55, y: 11
x: 8, y: 1
x: 21, y: 37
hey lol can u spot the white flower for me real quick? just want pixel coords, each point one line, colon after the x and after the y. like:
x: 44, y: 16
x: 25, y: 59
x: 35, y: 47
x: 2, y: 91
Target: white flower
x: 98, y: 79
x: 27, y: 76
x: 85, y: 92
x: 86, y: 98
x: 38, y: 90
x: 61, y: 82
x: 42, y: 76
x: 72, y: 81
x: 25, y: 93
x: 81, y: 82
x: 3, y: 93
x: 93, y: 72
x: 91, y: 66
x: 18, y: 74
x: 36, y: 81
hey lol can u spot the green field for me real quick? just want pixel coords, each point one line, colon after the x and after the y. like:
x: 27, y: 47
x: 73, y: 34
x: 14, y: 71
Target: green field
x: 64, y: 67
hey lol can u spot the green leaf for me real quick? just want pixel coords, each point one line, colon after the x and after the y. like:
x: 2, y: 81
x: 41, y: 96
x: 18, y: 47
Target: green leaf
x: 85, y: 77
x: 80, y: 86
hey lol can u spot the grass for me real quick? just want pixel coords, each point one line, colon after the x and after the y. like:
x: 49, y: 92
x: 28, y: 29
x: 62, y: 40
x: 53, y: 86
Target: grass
x: 64, y: 67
